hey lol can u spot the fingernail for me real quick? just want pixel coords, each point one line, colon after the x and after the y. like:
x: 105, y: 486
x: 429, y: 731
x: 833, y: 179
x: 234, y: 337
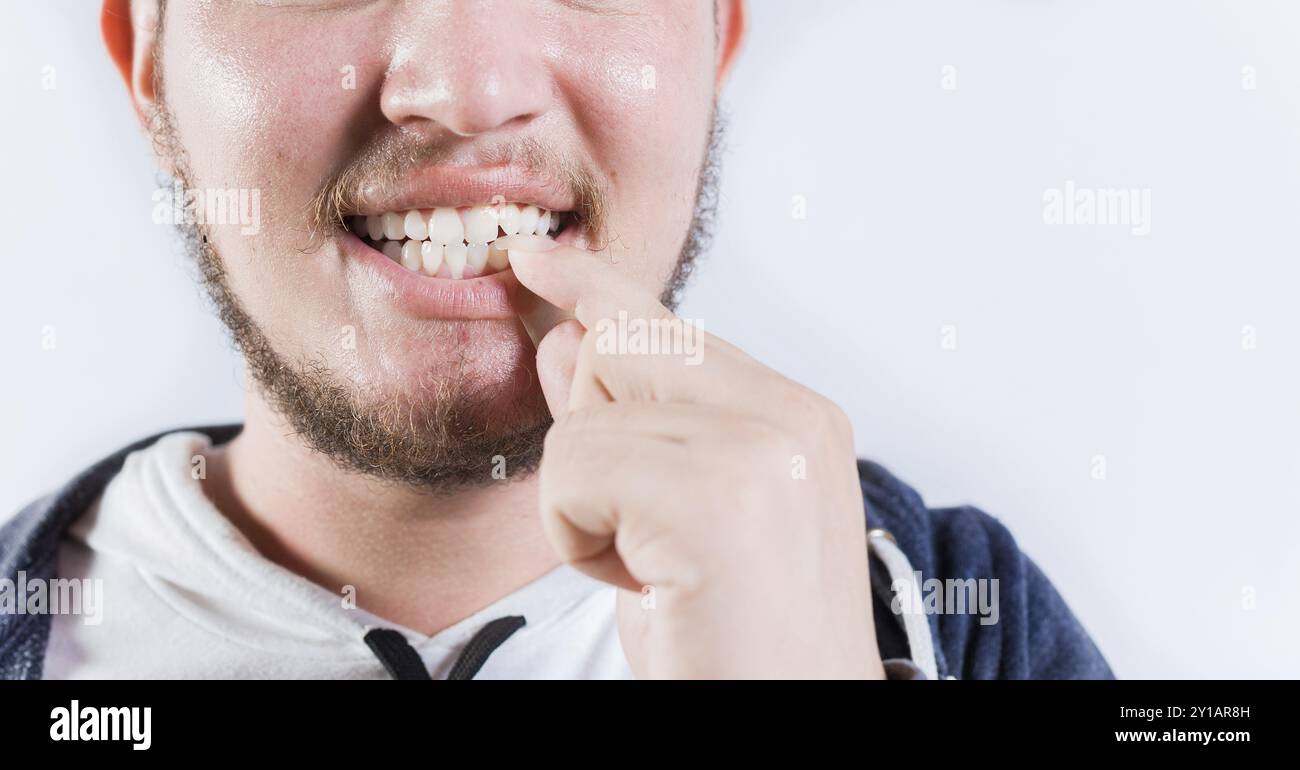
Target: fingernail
x: 525, y: 243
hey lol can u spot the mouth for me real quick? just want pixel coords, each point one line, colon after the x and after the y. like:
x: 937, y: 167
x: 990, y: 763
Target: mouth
x: 456, y: 243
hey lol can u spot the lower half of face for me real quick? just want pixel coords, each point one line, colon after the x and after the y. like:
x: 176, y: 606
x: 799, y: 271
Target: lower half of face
x: 390, y: 335
x: 435, y: 403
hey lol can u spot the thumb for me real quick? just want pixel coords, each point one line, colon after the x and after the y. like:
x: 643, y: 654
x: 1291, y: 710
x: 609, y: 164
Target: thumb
x: 557, y: 360
x: 537, y: 316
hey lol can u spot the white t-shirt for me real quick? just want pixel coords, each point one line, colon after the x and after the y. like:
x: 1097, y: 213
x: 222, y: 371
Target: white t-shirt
x: 185, y: 595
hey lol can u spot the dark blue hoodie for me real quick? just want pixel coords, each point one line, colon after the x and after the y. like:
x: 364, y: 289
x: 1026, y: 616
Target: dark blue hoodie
x: 1032, y: 634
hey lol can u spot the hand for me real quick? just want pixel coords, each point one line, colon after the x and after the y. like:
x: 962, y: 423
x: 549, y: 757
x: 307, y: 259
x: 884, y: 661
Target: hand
x: 681, y: 484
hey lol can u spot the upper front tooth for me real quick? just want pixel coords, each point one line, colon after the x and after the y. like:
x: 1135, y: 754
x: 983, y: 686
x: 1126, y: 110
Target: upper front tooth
x: 416, y: 225
x: 528, y: 216
x: 394, y: 229
x: 445, y: 226
x: 508, y: 218
x: 375, y: 227
x: 480, y: 224
x: 543, y: 223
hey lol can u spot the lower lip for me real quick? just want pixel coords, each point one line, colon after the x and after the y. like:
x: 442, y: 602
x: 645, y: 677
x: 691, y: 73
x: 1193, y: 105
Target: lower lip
x: 487, y: 297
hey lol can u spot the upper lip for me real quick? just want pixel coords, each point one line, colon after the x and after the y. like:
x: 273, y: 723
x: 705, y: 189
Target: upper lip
x: 460, y: 186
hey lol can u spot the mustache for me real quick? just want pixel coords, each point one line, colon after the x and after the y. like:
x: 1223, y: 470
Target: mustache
x: 384, y: 163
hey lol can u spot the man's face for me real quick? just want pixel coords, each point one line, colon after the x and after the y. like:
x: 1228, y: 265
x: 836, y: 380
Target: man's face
x: 333, y: 108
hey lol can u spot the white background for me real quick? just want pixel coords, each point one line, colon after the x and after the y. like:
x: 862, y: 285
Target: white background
x: 924, y: 210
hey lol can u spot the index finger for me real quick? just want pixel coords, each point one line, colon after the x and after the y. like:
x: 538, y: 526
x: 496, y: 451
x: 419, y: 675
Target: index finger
x: 586, y: 284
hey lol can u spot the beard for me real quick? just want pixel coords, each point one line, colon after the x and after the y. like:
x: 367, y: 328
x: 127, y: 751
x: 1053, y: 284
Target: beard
x: 450, y: 433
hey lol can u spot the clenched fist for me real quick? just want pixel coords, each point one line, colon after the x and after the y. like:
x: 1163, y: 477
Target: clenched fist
x: 721, y: 496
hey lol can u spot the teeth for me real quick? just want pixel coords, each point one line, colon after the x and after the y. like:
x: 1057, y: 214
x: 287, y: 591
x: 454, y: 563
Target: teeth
x: 528, y: 217
x: 445, y: 227
x: 456, y: 255
x: 416, y: 225
x: 393, y: 227
x: 412, y: 259
x: 430, y: 257
x: 480, y: 224
x: 476, y: 257
x: 464, y: 243
x: 508, y: 219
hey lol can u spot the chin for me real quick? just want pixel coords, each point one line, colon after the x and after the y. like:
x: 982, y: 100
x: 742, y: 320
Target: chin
x: 486, y: 386
x: 474, y: 359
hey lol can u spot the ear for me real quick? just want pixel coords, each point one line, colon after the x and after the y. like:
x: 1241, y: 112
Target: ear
x: 130, y: 30
x: 731, y: 21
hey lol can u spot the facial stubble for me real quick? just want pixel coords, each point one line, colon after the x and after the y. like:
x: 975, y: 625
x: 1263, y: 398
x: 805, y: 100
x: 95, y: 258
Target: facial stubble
x: 449, y: 433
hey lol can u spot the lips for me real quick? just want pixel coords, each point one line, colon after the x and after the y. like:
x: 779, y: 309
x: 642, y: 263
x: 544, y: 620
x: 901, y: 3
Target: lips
x: 431, y: 244
x: 430, y: 280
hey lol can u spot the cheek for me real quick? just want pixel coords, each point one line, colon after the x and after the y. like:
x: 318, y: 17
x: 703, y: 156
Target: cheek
x: 644, y: 93
x: 263, y: 102
x: 265, y: 91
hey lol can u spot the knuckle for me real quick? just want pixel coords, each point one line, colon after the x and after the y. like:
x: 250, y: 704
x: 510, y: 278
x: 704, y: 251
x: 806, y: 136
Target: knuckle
x: 837, y: 422
x: 819, y: 415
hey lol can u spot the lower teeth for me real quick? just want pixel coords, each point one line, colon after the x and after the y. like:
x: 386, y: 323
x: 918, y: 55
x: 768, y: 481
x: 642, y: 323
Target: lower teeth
x: 456, y: 260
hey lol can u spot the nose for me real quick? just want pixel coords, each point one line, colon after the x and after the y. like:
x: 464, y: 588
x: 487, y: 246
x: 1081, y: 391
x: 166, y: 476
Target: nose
x: 459, y: 66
